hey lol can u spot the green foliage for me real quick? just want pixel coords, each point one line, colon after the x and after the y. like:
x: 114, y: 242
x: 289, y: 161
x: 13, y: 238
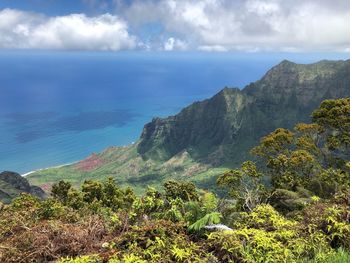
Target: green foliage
x: 25, y: 201
x: 183, y: 190
x: 313, y: 158
x: 129, y: 258
x: 209, y: 202
x: 175, y: 212
x: 50, y: 208
x: 334, y: 116
x: 159, y: 241
x: 288, y: 201
x: 330, y: 181
x: 330, y: 219
x: 151, y: 202
x: 60, y: 190
x: 265, y: 236
x: 249, y: 245
x: 274, y: 143
x: 82, y: 259
x: 245, y: 184
x: 208, y: 219
x: 106, y: 194
x: 341, y: 256
x: 136, y: 234
x: 92, y: 191
x: 75, y: 199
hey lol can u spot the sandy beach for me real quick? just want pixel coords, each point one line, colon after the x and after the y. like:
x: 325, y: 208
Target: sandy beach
x: 58, y: 166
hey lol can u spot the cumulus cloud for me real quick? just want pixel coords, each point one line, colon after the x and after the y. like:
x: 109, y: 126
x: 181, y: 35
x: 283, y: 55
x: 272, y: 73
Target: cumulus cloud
x: 174, y: 44
x: 26, y: 30
x: 250, y: 25
x: 208, y: 25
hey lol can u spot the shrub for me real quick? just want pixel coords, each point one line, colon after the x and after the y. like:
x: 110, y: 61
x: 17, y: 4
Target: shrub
x: 60, y: 190
x: 158, y: 241
x: 183, y: 190
x: 287, y: 201
x: 330, y: 219
x: 51, y: 240
x: 50, y: 208
x: 82, y: 259
x: 208, y: 219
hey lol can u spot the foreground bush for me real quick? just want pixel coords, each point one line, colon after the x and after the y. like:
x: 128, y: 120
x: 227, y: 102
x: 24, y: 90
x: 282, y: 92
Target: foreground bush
x: 44, y: 231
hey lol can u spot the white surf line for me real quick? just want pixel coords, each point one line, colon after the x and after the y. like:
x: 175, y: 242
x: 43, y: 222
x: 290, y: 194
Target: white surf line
x: 52, y: 167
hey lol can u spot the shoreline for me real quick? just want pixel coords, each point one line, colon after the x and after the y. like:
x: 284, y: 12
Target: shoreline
x: 52, y: 167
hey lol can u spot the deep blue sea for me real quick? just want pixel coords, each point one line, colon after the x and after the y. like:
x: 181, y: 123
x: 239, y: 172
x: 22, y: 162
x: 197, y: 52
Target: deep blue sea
x: 59, y: 107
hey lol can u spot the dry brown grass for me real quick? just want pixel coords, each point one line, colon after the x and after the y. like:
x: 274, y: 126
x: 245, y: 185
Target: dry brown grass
x: 51, y: 240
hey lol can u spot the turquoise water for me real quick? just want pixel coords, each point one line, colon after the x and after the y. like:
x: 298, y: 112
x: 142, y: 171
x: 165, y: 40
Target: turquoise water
x: 58, y: 108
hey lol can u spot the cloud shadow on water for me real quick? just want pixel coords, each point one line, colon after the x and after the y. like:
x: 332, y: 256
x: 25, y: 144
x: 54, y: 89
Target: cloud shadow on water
x: 32, y: 126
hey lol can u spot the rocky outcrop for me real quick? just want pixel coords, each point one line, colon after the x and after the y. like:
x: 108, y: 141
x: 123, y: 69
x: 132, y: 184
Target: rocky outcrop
x: 12, y: 184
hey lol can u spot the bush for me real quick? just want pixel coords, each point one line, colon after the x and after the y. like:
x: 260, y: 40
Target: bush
x: 158, y: 241
x: 266, y: 236
x: 287, y: 201
x: 50, y: 208
x: 51, y: 240
x: 82, y: 259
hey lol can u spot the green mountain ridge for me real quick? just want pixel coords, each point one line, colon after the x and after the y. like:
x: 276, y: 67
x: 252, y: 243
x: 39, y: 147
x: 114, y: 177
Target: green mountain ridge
x: 13, y: 184
x: 207, y: 137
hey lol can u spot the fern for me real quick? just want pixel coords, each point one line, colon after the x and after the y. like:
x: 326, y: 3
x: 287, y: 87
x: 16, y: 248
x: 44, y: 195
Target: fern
x: 208, y: 219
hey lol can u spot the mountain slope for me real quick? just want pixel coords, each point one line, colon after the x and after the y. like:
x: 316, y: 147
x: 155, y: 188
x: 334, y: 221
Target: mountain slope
x: 12, y: 184
x: 209, y: 136
x: 232, y: 119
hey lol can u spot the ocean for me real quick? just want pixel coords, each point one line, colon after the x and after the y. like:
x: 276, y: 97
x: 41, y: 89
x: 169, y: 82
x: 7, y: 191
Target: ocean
x: 59, y: 107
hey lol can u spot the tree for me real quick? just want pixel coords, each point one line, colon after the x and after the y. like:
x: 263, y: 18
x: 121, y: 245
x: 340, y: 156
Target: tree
x: 334, y: 117
x: 183, y: 190
x: 112, y: 195
x: 60, y: 191
x: 296, y: 159
x: 273, y: 144
x: 92, y: 190
x: 245, y: 185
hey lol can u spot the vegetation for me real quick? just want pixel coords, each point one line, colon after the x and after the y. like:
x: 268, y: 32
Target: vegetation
x: 291, y: 204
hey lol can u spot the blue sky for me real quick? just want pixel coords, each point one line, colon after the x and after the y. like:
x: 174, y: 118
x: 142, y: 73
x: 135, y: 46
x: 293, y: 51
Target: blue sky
x: 56, y: 7
x: 176, y: 25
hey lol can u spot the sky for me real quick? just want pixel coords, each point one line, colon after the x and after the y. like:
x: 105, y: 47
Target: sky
x: 176, y: 25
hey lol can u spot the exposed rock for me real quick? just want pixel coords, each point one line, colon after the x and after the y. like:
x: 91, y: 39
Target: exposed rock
x: 12, y: 184
x: 218, y: 227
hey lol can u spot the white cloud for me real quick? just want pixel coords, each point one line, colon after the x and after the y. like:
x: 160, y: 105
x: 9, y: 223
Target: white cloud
x: 215, y: 48
x: 208, y: 25
x: 26, y: 30
x: 174, y: 44
x: 270, y: 25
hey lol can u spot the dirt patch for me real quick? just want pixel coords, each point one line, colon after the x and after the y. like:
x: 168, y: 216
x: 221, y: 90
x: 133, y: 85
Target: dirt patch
x: 90, y: 163
x: 46, y: 187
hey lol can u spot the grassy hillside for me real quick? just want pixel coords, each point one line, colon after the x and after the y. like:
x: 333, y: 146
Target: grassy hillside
x: 128, y: 168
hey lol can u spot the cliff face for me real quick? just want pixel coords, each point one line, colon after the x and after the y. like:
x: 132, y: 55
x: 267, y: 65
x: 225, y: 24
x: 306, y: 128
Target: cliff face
x: 12, y: 184
x: 225, y: 127
x: 199, y: 128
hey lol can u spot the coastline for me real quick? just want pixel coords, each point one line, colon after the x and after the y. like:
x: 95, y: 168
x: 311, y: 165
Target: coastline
x: 52, y: 167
